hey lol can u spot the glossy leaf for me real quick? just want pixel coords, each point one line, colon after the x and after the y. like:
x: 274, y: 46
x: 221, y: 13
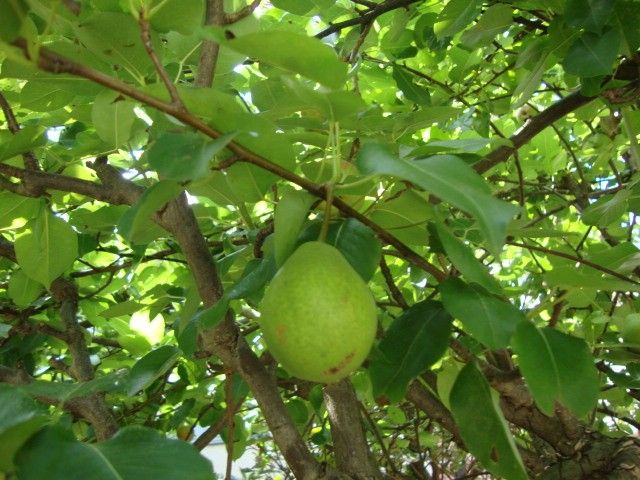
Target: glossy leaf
x: 450, y: 179
x: 414, y: 342
x: 486, y: 435
x: 289, y: 218
x: 557, y: 368
x: 47, y: 249
x: 465, y: 261
x: 359, y: 245
x: 150, y: 367
x: 134, y: 453
x: 489, y: 319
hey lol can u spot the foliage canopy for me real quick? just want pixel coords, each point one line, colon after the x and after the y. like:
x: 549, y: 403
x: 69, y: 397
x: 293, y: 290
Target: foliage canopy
x: 476, y: 162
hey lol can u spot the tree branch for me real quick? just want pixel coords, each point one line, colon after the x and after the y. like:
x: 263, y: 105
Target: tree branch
x: 209, y: 49
x: 349, y: 441
x: 230, y: 18
x: 367, y: 17
x: 30, y: 161
x: 534, y: 126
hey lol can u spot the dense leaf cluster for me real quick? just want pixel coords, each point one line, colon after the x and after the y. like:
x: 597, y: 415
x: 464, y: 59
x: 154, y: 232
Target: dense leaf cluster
x: 474, y: 161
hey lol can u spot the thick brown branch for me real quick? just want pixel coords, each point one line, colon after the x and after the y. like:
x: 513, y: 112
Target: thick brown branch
x: 349, y: 441
x: 210, y: 49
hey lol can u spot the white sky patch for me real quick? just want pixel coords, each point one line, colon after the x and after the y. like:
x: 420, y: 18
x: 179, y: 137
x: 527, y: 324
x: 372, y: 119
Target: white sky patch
x: 53, y: 133
x: 142, y: 115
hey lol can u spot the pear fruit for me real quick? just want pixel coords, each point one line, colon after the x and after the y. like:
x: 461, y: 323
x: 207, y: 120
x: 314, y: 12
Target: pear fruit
x: 318, y: 316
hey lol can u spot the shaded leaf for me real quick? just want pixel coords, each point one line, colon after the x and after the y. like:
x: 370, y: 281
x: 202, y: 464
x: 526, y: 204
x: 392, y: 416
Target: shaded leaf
x: 150, y: 367
x: 290, y: 215
x: 414, y: 341
x: 113, y: 117
x: 134, y: 453
x: 134, y: 224
x: 465, y: 261
x: 593, y: 55
x: 482, y: 426
x: 557, y: 367
x: 489, y: 319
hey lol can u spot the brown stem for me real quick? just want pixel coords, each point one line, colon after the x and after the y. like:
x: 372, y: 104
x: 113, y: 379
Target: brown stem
x: 349, y: 441
x: 30, y: 161
x: 145, y: 34
x: 230, y: 18
x: 210, y: 49
x: 368, y: 17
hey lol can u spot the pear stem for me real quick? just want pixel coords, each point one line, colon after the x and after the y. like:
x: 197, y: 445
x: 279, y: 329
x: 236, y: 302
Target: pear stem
x: 327, y: 214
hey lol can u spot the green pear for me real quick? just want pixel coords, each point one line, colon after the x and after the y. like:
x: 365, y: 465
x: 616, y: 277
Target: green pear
x: 318, y: 316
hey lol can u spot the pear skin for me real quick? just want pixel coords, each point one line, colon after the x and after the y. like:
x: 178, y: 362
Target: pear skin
x: 318, y: 316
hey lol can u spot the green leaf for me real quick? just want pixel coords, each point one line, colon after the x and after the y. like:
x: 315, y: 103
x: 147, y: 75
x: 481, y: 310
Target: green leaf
x: 411, y: 90
x: 593, y: 55
x: 495, y: 20
x: 16, y: 210
x: 455, y: 16
x: 358, y: 244
x: 47, y: 249
x: 404, y: 216
x: 25, y: 140
x: 482, y: 426
x: 295, y: 53
x: 134, y: 223
x: 23, y: 290
x: 182, y: 16
x: 114, y: 37
x: 592, y: 15
x: 12, y: 13
x: 134, y: 453
x: 42, y: 96
x: 20, y: 418
x: 150, y: 367
x: 465, y: 261
x: 65, y: 391
x: 297, y: 7
x: 414, y: 341
x: 290, y: 215
x: 254, y: 277
x: 557, y: 367
x: 449, y: 178
x: 113, y: 117
x: 607, y: 209
x: 184, y: 156
x: 489, y: 319
x: 210, y: 317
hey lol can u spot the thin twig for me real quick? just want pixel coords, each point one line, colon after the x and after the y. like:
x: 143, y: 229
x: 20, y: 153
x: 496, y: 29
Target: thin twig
x: 230, y: 18
x: 583, y: 261
x: 145, y: 33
